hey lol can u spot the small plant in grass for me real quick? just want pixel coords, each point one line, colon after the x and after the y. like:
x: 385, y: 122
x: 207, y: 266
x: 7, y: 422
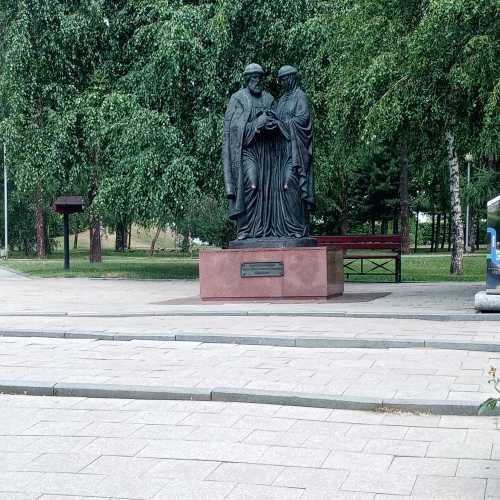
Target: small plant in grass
x: 491, y: 403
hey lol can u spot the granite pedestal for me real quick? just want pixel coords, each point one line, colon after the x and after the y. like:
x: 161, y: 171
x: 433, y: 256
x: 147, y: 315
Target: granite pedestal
x: 261, y: 273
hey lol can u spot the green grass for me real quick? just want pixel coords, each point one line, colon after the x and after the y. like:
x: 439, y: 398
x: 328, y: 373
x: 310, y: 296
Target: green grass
x: 437, y: 268
x: 113, y: 266
x: 429, y: 268
x: 139, y: 265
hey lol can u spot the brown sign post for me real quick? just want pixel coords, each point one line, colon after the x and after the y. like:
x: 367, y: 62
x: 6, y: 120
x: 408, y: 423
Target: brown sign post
x: 66, y: 205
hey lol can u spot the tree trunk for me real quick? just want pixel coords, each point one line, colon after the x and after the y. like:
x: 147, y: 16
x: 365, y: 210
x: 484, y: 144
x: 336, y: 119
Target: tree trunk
x: 383, y: 227
x: 48, y: 248
x: 120, y: 237
x: 154, y: 240
x: 433, y: 231
x: 416, y: 231
x: 403, y: 198
x: 345, y: 212
x: 492, y: 166
x: 41, y: 243
x: 129, y: 241
x: 438, y: 232
x: 75, y: 241
x: 373, y: 226
x: 344, y: 225
x: 478, y: 226
x: 177, y: 242
x: 395, y: 226
x: 472, y: 229
x: 95, y: 254
x: 449, y: 232
x: 185, y: 243
x: 457, y: 253
x: 445, y: 226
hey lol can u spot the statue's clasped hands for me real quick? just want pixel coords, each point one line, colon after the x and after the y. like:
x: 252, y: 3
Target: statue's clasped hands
x: 267, y: 121
x: 272, y: 120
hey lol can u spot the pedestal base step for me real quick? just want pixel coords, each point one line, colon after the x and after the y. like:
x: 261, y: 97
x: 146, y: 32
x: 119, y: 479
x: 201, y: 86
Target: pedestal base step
x: 273, y: 243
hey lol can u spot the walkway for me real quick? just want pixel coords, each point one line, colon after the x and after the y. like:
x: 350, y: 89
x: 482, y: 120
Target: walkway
x: 76, y: 448
x: 76, y: 296
x: 351, y: 374
x: 6, y: 274
x: 381, y: 347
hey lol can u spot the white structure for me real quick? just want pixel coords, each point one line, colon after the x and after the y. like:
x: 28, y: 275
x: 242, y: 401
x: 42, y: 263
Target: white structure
x: 5, y: 253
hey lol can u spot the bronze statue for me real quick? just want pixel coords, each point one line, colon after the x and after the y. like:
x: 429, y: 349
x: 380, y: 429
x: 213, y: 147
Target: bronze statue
x: 294, y: 186
x: 267, y: 155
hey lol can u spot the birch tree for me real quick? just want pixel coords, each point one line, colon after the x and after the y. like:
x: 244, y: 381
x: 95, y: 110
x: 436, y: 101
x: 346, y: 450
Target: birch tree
x: 457, y: 254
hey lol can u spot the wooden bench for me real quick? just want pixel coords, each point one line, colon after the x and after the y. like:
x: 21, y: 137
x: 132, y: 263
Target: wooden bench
x: 372, y: 242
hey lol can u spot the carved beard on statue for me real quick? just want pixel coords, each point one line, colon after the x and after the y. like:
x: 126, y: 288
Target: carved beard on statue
x: 255, y: 86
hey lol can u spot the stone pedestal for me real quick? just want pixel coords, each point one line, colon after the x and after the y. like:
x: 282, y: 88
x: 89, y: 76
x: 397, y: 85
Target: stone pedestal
x: 278, y: 273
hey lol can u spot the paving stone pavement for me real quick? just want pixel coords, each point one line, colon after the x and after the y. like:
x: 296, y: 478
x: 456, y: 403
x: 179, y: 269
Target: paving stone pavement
x: 94, y: 296
x: 383, y: 373
x: 356, y: 328
x: 77, y: 448
x: 6, y: 274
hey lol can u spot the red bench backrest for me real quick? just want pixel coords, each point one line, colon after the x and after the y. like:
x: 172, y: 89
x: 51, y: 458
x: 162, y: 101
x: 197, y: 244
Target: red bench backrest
x: 362, y: 241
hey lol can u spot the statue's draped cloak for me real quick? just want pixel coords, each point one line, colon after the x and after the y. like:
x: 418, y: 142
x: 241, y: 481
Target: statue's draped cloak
x: 247, y: 156
x: 292, y: 207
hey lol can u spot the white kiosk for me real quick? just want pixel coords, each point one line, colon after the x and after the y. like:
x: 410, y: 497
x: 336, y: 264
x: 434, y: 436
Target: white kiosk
x: 489, y: 301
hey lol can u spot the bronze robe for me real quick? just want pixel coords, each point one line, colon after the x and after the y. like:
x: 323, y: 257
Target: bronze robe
x: 292, y: 207
x: 247, y: 156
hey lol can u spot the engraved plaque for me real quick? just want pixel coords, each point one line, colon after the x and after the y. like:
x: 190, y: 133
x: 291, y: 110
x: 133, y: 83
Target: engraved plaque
x: 261, y: 269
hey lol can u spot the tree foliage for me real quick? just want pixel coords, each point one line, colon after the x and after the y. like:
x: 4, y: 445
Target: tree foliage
x: 123, y: 101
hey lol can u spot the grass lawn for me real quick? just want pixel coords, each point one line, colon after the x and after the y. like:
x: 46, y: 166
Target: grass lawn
x: 430, y: 267
x: 114, y: 265
x: 138, y: 265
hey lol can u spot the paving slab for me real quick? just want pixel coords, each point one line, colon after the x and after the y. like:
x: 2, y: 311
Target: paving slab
x: 55, y: 466
x: 7, y: 274
x: 128, y: 310
x: 349, y: 378
x: 310, y: 332
x: 382, y: 346
x: 91, y: 297
x: 276, y: 339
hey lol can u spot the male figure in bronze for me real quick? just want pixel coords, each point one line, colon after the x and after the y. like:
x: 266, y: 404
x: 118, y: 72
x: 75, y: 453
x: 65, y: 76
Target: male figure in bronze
x: 247, y: 155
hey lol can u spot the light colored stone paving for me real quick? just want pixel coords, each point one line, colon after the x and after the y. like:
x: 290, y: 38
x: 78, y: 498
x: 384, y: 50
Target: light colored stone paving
x: 360, y: 328
x: 6, y: 274
x: 77, y: 448
x: 382, y: 373
x: 77, y: 296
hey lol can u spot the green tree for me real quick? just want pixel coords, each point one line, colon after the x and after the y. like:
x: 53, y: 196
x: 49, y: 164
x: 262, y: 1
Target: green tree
x: 48, y: 48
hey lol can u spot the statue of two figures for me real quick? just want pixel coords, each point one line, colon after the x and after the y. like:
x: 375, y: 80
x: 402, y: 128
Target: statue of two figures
x: 267, y: 155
